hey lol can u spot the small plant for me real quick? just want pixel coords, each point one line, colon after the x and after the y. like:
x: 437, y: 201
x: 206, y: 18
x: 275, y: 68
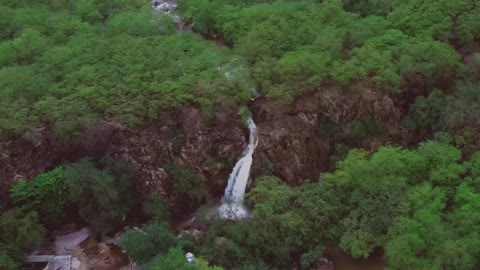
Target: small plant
x: 327, y: 127
x: 142, y: 245
x: 372, y: 127
x: 363, y: 129
x: 246, y: 114
x: 308, y: 259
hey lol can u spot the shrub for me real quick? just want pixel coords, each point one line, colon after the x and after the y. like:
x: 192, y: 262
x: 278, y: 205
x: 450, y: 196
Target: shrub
x: 6, y: 261
x: 175, y: 259
x: 47, y: 194
x: 102, y: 195
x: 156, y: 207
x: 142, y: 245
x: 21, y: 229
x: 187, y: 184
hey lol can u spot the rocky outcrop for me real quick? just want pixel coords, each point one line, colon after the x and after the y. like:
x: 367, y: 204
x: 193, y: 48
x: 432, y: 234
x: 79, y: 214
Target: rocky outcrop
x: 188, y: 138
x: 289, y: 139
x: 323, y: 264
x: 291, y: 145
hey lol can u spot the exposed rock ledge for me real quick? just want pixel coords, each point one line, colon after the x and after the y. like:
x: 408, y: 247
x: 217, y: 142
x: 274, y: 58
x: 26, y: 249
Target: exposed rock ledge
x: 290, y: 145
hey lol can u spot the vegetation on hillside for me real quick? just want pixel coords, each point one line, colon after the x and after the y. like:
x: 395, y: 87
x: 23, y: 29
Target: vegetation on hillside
x: 418, y: 205
x: 69, y: 64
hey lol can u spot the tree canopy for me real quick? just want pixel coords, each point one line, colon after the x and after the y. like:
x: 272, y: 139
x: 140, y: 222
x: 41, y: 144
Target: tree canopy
x: 69, y: 65
x: 72, y: 64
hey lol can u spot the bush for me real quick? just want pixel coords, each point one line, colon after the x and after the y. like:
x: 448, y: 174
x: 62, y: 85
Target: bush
x: 187, y: 183
x: 308, y: 259
x: 7, y: 262
x: 175, y: 259
x: 21, y: 229
x: 47, y: 194
x: 142, y: 245
x: 103, y: 195
x: 156, y: 207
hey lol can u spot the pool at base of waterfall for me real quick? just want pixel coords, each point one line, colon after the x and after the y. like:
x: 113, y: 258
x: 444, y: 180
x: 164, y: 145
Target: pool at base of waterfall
x: 233, y: 211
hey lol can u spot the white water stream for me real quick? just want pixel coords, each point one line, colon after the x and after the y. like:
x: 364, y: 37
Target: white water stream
x: 232, y: 207
x: 167, y: 7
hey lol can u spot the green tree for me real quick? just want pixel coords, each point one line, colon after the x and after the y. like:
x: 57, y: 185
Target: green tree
x: 298, y: 72
x: 277, y: 233
x: 6, y: 22
x: 418, y: 232
x: 142, y: 245
x: 16, y: 118
x: 320, y: 209
x: 20, y: 82
x: 175, y: 259
x: 443, y: 163
x: 428, y: 114
x: 372, y: 7
x: 141, y: 24
x: 47, y: 194
x: 29, y: 45
x: 21, y: 229
x: 7, y: 262
x: 102, y: 195
x: 156, y: 207
x: 373, y: 189
x: 186, y: 183
x: 87, y: 10
x: 394, y: 59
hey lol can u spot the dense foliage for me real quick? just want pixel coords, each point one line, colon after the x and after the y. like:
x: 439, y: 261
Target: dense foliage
x: 103, y: 195
x: 143, y: 245
x: 72, y: 63
x: 189, y: 186
x: 302, y: 45
x: 47, y: 195
x: 156, y: 208
x: 404, y: 201
x: 175, y: 259
x: 66, y: 65
x: 19, y: 232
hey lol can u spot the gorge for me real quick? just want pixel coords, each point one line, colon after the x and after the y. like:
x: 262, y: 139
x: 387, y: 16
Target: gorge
x: 306, y: 135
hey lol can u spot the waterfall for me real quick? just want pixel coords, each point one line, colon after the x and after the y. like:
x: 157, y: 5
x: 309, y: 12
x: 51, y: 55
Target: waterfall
x: 232, y: 207
x: 167, y: 7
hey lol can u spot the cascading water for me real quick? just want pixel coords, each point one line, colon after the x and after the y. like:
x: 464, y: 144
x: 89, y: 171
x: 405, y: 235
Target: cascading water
x: 167, y: 7
x: 232, y: 207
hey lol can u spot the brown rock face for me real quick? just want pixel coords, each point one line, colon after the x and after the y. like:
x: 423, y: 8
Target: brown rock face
x: 186, y: 138
x: 289, y: 137
x: 290, y: 145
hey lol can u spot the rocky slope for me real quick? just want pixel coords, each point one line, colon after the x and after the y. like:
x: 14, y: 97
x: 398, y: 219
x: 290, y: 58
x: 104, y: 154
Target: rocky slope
x: 187, y: 138
x: 290, y: 144
x: 290, y: 139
